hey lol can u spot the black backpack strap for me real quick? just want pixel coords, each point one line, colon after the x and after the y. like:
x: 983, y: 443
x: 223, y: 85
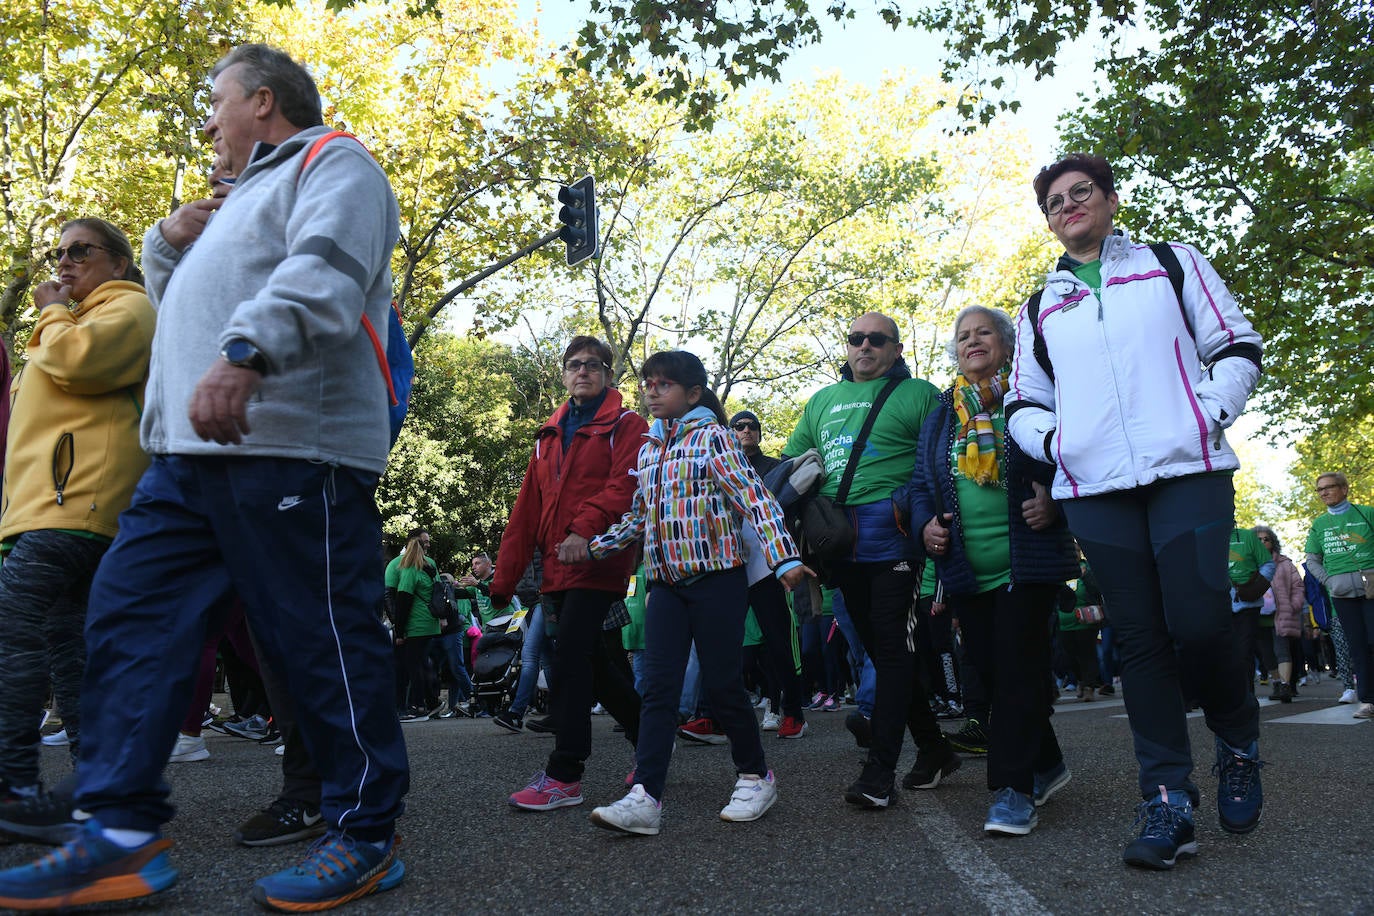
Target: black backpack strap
x: 860, y: 443
x: 1164, y: 253
x: 1038, y: 347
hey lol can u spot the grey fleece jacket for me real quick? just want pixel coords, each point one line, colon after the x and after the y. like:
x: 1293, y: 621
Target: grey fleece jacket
x: 290, y: 263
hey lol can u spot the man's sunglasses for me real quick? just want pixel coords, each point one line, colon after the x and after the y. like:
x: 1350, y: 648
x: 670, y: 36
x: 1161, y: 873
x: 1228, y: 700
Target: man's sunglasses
x: 77, y: 253
x: 742, y: 425
x: 877, y: 338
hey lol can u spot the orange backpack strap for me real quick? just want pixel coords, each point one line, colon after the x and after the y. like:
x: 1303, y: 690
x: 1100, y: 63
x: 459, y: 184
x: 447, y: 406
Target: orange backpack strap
x: 319, y: 144
x: 377, y: 346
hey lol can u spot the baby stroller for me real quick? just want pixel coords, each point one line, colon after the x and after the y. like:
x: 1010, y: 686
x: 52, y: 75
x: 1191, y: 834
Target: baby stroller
x: 496, y: 671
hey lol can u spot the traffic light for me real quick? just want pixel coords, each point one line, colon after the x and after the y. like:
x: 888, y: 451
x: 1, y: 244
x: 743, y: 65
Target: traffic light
x: 578, y: 216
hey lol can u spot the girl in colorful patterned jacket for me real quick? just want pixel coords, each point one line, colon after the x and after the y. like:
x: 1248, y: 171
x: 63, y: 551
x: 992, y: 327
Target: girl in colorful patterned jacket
x: 695, y: 488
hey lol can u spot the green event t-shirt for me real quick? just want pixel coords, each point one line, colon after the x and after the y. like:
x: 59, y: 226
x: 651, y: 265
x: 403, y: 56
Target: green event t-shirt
x: 419, y: 583
x: 832, y: 421
x: 1091, y: 274
x: 1344, y: 542
x: 1246, y: 556
x: 983, y: 516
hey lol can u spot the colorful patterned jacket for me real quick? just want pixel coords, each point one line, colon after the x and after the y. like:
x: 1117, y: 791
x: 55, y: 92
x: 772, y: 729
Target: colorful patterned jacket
x: 695, y: 486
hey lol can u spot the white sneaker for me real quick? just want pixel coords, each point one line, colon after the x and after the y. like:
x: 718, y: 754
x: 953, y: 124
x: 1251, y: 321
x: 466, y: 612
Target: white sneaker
x: 188, y: 749
x: 59, y: 739
x: 635, y: 813
x: 770, y: 721
x: 599, y: 710
x: 1366, y: 711
x: 753, y: 796
x: 280, y: 751
x: 1347, y: 697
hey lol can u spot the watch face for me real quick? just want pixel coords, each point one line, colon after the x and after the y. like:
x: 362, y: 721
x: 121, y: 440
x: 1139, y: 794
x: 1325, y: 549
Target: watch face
x: 238, y: 351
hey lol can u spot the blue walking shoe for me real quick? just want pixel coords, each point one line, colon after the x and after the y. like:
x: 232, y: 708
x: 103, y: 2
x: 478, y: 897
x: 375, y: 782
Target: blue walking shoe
x: 336, y: 869
x: 1011, y: 813
x: 1167, y: 833
x: 1050, y: 782
x: 88, y: 869
x: 1240, y: 797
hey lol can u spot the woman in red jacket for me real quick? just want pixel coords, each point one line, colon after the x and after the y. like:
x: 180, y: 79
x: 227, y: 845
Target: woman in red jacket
x: 579, y: 481
x: 1289, y: 599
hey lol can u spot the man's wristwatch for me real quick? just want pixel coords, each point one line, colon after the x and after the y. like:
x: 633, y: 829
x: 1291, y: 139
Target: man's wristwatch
x: 241, y: 353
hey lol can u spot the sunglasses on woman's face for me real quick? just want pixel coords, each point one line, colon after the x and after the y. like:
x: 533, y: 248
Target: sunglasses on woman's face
x: 76, y: 253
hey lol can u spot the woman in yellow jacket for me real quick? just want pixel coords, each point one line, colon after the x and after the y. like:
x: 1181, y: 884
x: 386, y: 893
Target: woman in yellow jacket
x: 72, y: 461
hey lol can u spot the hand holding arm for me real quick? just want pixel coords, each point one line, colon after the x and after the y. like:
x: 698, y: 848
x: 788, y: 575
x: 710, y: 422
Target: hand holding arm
x: 574, y: 549
x: 1040, y: 511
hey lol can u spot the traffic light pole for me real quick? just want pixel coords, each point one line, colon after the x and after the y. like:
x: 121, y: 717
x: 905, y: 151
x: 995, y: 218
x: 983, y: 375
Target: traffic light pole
x: 432, y: 312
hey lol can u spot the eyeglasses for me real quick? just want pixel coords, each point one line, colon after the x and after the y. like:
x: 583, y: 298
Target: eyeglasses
x: 577, y: 365
x: 77, y: 253
x: 656, y: 385
x: 1078, y: 194
x: 877, y: 338
x: 742, y: 425
x: 1330, y: 486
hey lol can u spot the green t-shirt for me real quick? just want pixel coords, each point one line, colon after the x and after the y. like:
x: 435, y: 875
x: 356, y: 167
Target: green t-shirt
x: 832, y: 421
x: 420, y: 583
x: 1091, y: 274
x: 1344, y: 542
x: 984, y: 519
x: 753, y: 636
x: 927, y: 587
x: 1247, y: 555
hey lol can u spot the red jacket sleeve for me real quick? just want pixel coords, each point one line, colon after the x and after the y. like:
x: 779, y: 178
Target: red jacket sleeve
x: 603, y: 510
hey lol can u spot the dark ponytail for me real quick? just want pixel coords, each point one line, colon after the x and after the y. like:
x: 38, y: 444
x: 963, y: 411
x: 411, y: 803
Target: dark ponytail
x: 685, y: 369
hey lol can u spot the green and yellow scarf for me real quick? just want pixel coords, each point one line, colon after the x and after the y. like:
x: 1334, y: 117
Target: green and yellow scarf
x: 981, y: 443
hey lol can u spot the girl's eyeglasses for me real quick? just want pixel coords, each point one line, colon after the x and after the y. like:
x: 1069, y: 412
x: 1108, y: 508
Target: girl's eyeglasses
x: 656, y: 385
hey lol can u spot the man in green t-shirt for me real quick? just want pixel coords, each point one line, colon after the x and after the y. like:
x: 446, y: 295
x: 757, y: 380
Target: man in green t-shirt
x: 879, y: 579
x: 1340, y: 553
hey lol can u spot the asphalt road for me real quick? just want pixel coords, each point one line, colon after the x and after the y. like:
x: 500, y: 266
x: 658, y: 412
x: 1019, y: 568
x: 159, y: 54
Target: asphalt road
x: 466, y: 851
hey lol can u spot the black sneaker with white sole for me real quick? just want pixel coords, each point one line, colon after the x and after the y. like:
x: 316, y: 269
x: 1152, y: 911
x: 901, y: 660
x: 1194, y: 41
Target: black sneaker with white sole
x: 281, y: 822
x: 873, y: 789
x: 932, y: 767
x: 48, y: 817
x: 508, y: 720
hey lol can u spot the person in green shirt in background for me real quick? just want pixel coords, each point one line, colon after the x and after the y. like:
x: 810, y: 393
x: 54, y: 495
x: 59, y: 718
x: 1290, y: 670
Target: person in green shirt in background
x: 1251, y: 569
x: 632, y: 634
x: 415, y: 627
x: 1340, y: 553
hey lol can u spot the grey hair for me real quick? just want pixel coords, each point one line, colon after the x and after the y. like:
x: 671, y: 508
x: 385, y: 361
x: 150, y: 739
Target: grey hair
x: 292, y: 85
x: 1001, y: 321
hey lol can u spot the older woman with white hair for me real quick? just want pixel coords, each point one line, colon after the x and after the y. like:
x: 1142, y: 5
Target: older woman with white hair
x: 1001, y: 551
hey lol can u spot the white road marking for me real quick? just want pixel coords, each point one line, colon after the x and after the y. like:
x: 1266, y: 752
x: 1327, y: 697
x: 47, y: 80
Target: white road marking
x: 985, y: 882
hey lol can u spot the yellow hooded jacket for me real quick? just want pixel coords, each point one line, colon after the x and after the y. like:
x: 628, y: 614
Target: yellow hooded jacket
x: 73, y: 457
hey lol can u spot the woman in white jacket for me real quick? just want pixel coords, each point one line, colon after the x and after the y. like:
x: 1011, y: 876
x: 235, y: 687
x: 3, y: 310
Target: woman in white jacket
x: 1129, y: 365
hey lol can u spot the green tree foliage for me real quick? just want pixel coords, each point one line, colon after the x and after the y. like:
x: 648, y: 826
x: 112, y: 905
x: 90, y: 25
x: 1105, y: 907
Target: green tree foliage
x: 99, y: 105
x: 465, y: 445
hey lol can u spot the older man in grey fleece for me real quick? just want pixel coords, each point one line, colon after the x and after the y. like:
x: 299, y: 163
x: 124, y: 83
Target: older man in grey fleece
x: 266, y: 420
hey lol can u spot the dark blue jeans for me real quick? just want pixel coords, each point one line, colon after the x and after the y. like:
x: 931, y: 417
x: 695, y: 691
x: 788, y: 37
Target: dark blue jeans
x: 43, y: 588
x: 861, y: 664
x: 710, y: 612
x: 460, y: 687
x: 297, y: 540
x: 1159, y: 553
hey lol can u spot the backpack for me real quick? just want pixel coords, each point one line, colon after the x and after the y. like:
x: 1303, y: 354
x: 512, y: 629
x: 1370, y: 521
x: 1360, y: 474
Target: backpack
x: 441, y: 601
x: 396, y: 362
x: 1167, y: 259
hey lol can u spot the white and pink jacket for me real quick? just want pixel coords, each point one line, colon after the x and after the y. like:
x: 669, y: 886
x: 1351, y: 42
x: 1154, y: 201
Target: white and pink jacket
x: 1143, y: 385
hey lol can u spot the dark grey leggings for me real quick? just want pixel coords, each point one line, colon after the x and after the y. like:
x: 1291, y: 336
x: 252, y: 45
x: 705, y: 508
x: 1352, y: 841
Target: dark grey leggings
x: 1160, y: 555
x: 44, y: 585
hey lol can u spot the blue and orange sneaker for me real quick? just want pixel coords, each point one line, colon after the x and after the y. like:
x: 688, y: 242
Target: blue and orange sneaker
x: 336, y: 869
x: 88, y: 869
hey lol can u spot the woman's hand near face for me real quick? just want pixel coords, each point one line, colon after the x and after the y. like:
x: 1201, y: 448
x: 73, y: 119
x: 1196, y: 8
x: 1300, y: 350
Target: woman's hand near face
x: 1040, y: 511
x: 50, y: 292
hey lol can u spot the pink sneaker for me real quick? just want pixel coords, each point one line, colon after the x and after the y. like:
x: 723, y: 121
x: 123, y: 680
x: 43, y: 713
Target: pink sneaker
x: 545, y: 794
